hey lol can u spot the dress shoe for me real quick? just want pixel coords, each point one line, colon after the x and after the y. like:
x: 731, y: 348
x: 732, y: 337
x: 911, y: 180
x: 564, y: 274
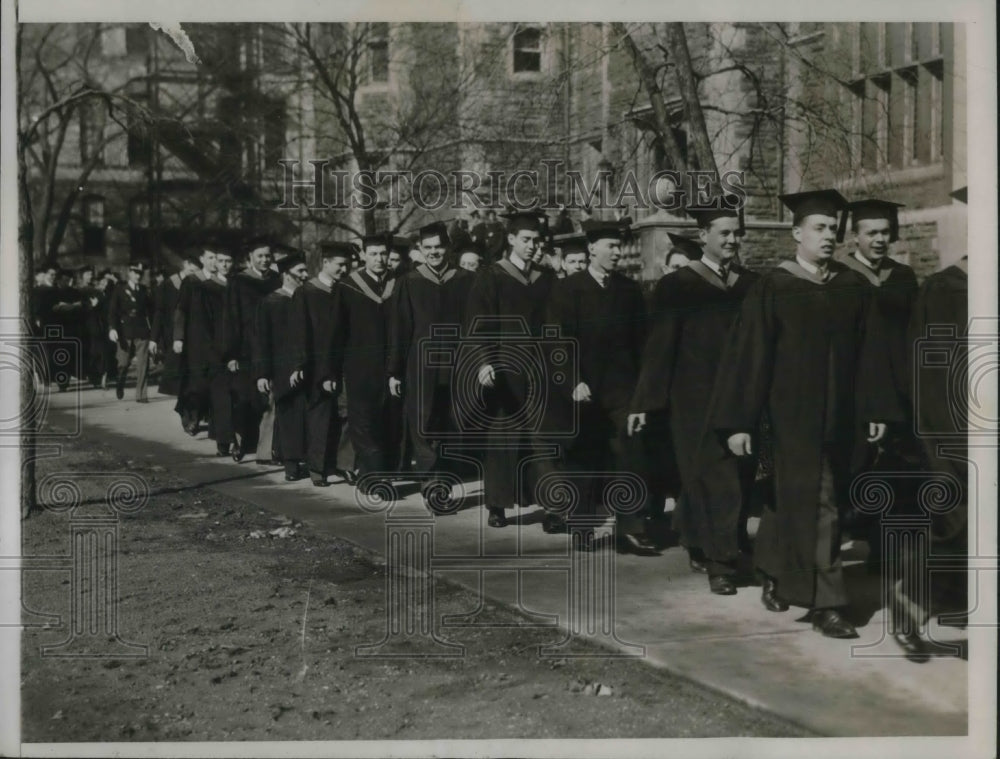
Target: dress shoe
x: 320, y: 483
x: 830, y: 623
x: 294, y: 476
x: 221, y: 451
x: 348, y: 475
x: 721, y: 585
x: 553, y: 524
x: 636, y: 543
x: 698, y: 565
x: 497, y: 518
x: 237, y: 452
x: 913, y: 646
x: 191, y: 429
x: 770, y: 598
x: 119, y: 392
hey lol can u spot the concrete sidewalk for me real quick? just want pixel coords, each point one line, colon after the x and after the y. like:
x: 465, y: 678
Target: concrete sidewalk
x: 663, y: 610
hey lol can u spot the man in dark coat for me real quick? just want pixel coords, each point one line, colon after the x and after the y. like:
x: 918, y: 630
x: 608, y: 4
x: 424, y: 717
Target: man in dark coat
x: 801, y: 350
x: 430, y: 297
x: 244, y: 292
x: 506, y: 310
x: 362, y: 331
x: 892, y: 288
x: 130, y: 318
x: 603, y: 311
x: 189, y: 341
x: 693, y: 310
x: 489, y: 238
x: 939, y: 329
x: 166, y: 299
x: 275, y: 364
x: 205, y: 350
x: 92, y: 333
x: 313, y: 345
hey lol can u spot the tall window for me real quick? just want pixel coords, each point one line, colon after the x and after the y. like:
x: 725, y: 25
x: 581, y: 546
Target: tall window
x: 92, y: 132
x: 93, y: 225
x: 897, y: 93
x: 527, y: 50
x: 378, y: 52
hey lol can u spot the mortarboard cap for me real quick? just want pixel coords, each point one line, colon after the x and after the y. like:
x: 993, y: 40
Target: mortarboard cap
x: 289, y: 261
x: 726, y: 206
x: 684, y: 245
x: 333, y: 248
x: 823, y: 202
x: 528, y: 218
x: 382, y: 238
x: 438, y: 228
x: 871, y: 208
x: 961, y: 194
x: 596, y: 230
x: 138, y: 266
x: 401, y: 244
x: 572, y: 242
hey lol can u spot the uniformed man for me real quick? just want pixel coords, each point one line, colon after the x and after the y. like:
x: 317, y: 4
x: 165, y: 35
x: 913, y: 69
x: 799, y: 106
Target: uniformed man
x: 507, y: 303
x: 433, y: 295
x: 603, y: 311
x: 244, y: 292
x: 193, y: 385
x: 130, y: 318
x: 312, y: 343
x: 801, y: 351
x: 692, y: 312
x: 275, y: 363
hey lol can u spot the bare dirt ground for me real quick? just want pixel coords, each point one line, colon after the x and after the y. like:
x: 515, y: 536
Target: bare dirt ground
x: 253, y: 638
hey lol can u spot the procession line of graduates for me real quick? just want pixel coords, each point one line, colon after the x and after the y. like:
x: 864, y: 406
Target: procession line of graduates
x: 729, y: 384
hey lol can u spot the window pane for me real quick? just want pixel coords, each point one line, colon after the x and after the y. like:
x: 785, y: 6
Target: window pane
x: 527, y: 50
x: 897, y: 122
x: 527, y: 61
x: 379, y: 53
x: 869, y: 128
x: 922, y: 137
x: 135, y: 39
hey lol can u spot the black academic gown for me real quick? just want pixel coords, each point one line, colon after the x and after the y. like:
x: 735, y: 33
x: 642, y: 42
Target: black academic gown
x: 426, y: 304
x: 801, y: 350
x: 362, y: 329
x: 608, y: 325
x: 940, y: 394
x: 312, y: 343
x: 167, y: 296
x: 244, y: 293
x: 275, y: 361
x: 504, y: 316
x: 693, y: 311
x: 192, y: 392
x: 206, y: 374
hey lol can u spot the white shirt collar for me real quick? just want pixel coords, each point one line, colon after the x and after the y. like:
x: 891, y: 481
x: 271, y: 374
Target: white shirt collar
x: 865, y: 261
x: 325, y: 278
x: 285, y: 289
x: 712, y: 265
x: 811, y: 268
x: 519, y: 262
x: 601, y: 277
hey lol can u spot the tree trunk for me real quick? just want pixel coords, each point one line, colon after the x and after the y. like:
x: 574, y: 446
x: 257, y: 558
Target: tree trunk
x: 688, y: 86
x: 661, y: 119
x: 26, y: 287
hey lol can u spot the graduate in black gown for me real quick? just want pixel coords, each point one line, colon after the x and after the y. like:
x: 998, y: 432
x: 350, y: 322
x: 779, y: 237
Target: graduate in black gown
x: 274, y: 362
x: 603, y: 311
x: 188, y: 342
x: 244, y: 292
x: 939, y: 329
x: 693, y: 310
x: 206, y: 373
x: 432, y: 295
x: 362, y: 329
x: 313, y: 344
x: 165, y: 299
x: 506, y: 310
x: 805, y: 350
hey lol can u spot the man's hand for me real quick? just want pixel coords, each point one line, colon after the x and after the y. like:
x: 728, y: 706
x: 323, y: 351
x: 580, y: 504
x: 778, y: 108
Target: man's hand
x: 152, y: 348
x: 739, y: 444
x: 178, y: 346
x: 295, y: 377
x: 264, y: 385
x: 636, y: 422
x: 395, y: 387
x: 233, y: 365
x: 876, y: 431
x: 486, y: 375
x: 113, y: 335
x: 329, y: 386
x: 581, y: 392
